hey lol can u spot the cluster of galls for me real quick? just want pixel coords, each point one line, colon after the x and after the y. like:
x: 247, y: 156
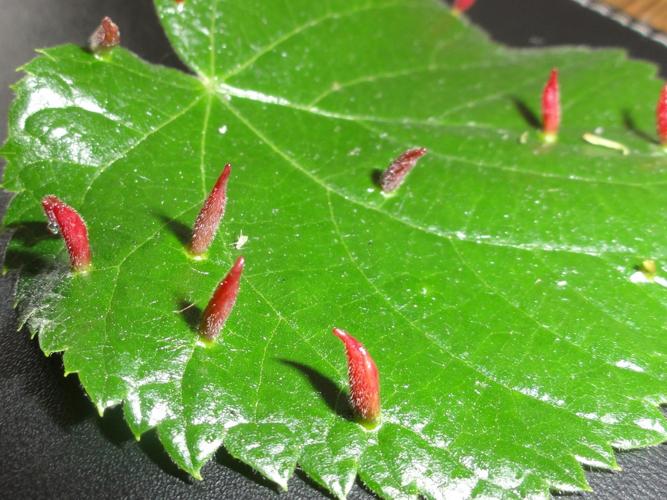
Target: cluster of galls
x: 363, y: 374
x: 551, y: 112
x: 362, y: 371
x: 65, y: 220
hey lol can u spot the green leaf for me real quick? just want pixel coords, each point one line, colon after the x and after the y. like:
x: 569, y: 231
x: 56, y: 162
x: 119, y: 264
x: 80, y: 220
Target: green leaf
x: 496, y: 290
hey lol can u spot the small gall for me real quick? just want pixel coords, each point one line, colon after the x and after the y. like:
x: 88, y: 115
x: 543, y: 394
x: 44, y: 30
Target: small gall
x: 208, y: 220
x: 461, y: 6
x: 649, y: 267
x: 661, y: 116
x: 105, y: 37
x: 73, y: 229
x: 221, y: 304
x: 395, y: 174
x: 551, y: 108
x: 363, y: 378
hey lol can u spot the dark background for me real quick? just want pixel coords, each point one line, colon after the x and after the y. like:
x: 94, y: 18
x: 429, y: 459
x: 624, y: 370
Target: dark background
x: 53, y: 443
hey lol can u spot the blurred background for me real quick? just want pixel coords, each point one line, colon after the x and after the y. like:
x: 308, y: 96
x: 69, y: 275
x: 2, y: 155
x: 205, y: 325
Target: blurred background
x: 52, y: 442
x: 652, y: 13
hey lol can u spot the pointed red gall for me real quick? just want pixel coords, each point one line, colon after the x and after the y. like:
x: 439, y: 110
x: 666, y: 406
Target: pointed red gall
x: 70, y: 224
x: 106, y: 36
x: 221, y: 304
x: 461, y: 6
x: 551, y: 107
x: 661, y: 116
x: 395, y: 174
x: 210, y: 215
x: 363, y: 376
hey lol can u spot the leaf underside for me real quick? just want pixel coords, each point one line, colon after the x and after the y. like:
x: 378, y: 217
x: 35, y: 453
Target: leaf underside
x: 496, y: 289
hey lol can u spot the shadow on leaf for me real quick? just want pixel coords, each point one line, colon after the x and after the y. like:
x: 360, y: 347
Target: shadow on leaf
x: 28, y: 234
x: 335, y: 398
x: 29, y: 263
x: 376, y: 177
x: 526, y: 113
x: 177, y: 228
x: 630, y: 124
x: 190, y: 312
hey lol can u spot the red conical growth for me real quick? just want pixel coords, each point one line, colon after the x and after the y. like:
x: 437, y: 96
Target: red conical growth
x: 551, y: 106
x: 210, y: 215
x: 395, y: 174
x: 460, y: 6
x: 106, y: 36
x: 72, y: 227
x: 661, y: 116
x: 221, y: 304
x: 364, y: 379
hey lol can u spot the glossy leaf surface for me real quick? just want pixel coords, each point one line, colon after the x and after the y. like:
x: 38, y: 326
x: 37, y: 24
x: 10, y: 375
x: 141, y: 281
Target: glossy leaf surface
x: 496, y: 289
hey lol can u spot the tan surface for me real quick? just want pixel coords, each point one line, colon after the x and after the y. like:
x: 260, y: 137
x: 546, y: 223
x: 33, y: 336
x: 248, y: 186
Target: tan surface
x: 651, y: 12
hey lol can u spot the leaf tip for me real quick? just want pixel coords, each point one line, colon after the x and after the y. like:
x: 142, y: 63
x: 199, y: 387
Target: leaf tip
x: 99, y: 406
x: 196, y: 473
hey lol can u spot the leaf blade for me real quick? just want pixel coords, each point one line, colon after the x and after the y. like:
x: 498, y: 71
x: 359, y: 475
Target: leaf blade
x: 463, y: 381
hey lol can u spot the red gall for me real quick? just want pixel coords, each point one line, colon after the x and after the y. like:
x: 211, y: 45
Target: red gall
x: 73, y: 229
x: 221, y: 304
x: 395, y: 174
x: 208, y: 220
x: 661, y: 116
x: 551, y: 108
x: 461, y: 6
x: 363, y: 377
x: 105, y: 37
